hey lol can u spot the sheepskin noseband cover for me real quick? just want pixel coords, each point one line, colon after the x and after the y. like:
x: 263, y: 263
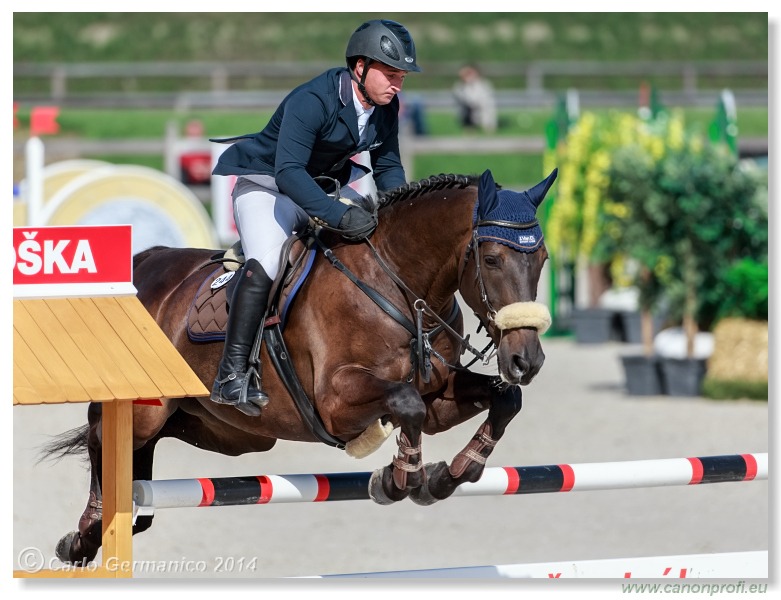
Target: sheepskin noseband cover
x: 524, y: 314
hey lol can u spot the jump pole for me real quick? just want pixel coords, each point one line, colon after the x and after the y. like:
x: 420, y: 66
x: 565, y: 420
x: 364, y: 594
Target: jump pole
x: 149, y: 495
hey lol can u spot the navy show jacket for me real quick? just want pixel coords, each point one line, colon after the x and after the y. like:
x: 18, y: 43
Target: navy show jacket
x: 313, y: 132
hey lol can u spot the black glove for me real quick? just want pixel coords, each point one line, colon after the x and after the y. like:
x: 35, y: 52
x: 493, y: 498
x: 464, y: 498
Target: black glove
x: 357, y: 224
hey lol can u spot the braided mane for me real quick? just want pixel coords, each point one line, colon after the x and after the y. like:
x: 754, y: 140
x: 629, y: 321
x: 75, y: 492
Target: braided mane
x: 418, y: 188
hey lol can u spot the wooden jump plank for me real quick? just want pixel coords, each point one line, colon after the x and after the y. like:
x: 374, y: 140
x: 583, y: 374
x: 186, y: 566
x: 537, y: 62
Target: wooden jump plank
x: 25, y: 391
x: 69, y: 350
x: 44, y: 388
x: 48, y: 357
x: 145, y: 355
x: 92, y: 348
x: 179, y: 368
x: 116, y: 348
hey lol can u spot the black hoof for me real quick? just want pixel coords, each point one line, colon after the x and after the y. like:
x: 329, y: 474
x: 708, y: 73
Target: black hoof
x: 423, y: 495
x: 63, y: 549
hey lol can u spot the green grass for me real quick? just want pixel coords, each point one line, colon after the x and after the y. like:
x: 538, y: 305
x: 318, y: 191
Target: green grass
x: 523, y: 170
x: 140, y: 124
x: 439, y: 37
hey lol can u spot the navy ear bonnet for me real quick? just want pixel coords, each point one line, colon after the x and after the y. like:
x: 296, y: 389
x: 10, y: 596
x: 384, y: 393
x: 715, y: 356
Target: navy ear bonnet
x: 495, y: 207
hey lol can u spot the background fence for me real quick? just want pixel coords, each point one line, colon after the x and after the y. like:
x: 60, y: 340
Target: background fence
x: 264, y: 84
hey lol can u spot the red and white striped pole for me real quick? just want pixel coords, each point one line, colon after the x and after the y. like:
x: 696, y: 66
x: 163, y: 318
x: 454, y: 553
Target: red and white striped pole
x: 268, y: 489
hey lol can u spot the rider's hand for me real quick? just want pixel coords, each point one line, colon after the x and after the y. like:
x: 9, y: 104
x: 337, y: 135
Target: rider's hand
x: 357, y: 223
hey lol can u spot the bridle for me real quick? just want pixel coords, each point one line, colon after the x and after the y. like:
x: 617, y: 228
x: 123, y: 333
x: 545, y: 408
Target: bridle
x: 474, y: 248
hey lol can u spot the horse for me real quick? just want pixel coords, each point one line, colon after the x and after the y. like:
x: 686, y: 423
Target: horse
x: 376, y: 344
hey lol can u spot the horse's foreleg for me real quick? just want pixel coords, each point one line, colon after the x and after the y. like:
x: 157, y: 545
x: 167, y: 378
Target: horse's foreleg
x: 403, y: 406
x: 469, y: 464
x: 405, y: 473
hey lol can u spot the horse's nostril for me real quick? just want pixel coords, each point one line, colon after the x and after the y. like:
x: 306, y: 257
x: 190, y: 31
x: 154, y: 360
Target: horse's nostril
x: 521, y: 364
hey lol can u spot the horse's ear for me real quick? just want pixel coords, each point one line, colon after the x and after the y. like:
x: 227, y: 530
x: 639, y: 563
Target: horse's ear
x: 486, y: 194
x: 537, y: 193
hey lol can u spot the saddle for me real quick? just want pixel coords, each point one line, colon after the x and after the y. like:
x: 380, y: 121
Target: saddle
x: 207, y: 317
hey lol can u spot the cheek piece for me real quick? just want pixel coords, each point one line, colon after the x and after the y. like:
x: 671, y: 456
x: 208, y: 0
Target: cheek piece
x: 524, y: 314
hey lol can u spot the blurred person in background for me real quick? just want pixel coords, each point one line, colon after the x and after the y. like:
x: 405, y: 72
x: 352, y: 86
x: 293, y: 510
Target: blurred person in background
x: 476, y: 101
x: 314, y: 133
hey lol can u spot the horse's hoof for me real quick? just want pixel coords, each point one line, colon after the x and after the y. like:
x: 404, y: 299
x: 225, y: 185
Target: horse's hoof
x: 376, y: 492
x: 63, y: 550
x: 422, y: 495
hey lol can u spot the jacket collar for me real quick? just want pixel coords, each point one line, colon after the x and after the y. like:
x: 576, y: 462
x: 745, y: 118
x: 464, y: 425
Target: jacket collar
x: 347, y: 112
x: 346, y: 88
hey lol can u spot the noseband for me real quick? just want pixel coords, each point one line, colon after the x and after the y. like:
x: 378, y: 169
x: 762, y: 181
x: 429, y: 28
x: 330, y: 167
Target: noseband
x: 518, y: 314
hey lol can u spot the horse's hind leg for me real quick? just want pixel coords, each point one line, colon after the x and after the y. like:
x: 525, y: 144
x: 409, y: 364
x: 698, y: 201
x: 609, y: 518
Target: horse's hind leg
x: 81, y: 546
x: 468, y: 465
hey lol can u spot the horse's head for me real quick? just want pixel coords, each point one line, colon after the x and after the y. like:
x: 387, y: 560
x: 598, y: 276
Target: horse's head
x: 502, y: 269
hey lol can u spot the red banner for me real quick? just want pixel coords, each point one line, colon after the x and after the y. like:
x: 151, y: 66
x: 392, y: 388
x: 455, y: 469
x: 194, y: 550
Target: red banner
x: 73, y: 255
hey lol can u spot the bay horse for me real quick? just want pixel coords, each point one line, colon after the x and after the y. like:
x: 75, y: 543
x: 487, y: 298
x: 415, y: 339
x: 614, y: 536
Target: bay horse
x: 375, y: 342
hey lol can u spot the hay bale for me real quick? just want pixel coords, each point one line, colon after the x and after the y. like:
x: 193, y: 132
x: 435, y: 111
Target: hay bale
x: 740, y: 351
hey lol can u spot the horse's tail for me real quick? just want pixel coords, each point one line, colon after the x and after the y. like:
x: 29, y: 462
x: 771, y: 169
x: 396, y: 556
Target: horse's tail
x: 71, y: 442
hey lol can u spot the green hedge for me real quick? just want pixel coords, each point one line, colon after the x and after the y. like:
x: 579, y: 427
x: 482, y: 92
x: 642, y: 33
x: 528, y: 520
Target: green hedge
x: 722, y: 389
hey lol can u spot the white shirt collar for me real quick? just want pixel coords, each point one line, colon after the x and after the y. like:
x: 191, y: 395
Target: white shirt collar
x: 363, y: 113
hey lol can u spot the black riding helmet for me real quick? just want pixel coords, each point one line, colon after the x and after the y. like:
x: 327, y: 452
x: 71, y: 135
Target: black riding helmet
x: 385, y: 41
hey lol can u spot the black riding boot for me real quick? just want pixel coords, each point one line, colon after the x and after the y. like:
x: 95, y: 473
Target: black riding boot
x: 247, y: 310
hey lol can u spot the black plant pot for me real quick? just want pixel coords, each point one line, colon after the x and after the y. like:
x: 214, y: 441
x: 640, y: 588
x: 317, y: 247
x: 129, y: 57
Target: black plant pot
x: 593, y: 325
x: 683, y: 376
x: 642, y: 375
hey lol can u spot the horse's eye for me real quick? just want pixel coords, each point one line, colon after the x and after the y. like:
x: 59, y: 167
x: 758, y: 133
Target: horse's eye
x: 491, y: 261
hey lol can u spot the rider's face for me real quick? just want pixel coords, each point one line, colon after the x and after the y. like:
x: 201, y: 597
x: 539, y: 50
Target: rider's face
x: 382, y: 81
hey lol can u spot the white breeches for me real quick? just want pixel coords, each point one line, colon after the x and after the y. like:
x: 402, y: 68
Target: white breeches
x: 265, y: 218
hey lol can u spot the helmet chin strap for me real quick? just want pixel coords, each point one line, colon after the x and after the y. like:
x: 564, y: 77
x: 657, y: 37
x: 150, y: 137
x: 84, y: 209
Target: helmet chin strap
x: 361, y: 86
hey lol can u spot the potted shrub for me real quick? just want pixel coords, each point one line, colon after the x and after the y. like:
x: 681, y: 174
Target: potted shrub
x: 628, y: 224
x: 574, y: 227
x: 694, y: 214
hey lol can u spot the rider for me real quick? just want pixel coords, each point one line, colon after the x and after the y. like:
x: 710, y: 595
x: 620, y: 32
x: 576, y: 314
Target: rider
x: 315, y: 131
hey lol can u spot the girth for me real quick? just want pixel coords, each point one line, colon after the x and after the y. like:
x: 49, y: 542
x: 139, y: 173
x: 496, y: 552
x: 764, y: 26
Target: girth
x: 280, y: 358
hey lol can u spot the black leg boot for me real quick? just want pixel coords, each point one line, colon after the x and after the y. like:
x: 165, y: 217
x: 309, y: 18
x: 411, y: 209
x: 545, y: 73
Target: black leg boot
x: 246, y: 312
